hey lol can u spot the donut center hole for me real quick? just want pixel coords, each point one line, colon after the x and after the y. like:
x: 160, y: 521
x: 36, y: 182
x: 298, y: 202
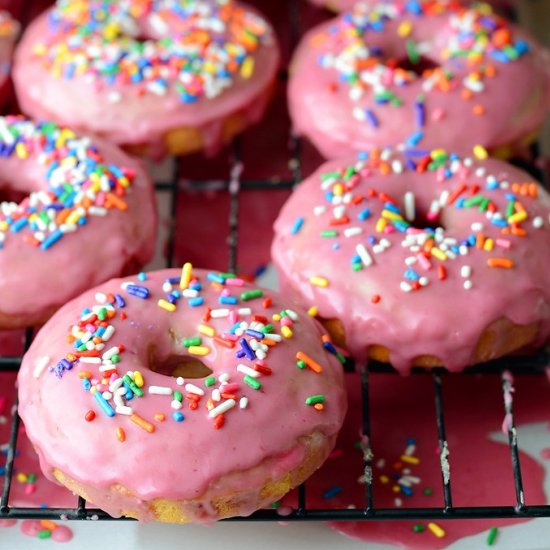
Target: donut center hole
x: 426, y: 220
x: 10, y: 195
x: 178, y: 365
x: 417, y: 65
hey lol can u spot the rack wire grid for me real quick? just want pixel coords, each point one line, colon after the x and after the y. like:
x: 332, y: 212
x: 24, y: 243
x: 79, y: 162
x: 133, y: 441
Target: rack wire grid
x: 234, y: 185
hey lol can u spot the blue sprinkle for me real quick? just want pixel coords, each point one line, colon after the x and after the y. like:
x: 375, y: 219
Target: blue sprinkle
x: 18, y: 225
x: 491, y: 185
x: 392, y: 207
x: 119, y: 301
x: 460, y: 203
x: 228, y: 300
x: 407, y: 491
x: 329, y: 346
x: 138, y: 291
x: 499, y: 222
x: 254, y: 334
x: 86, y: 384
x: 371, y: 117
x: 415, y: 139
x: 51, y: 239
x: 178, y: 417
x: 364, y: 215
x: 420, y: 114
x: 412, y: 275
x: 142, y: 276
x: 107, y: 409
x: 196, y: 302
x: 297, y: 225
x: 248, y: 351
x: 410, y: 441
x: 332, y: 492
x: 215, y: 278
x: 335, y: 246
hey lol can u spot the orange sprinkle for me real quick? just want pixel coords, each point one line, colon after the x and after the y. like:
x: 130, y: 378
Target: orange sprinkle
x: 267, y: 302
x: 142, y: 423
x: 480, y: 240
x: 160, y: 417
x: 219, y: 421
x: 112, y: 200
x: 505, y: 263
x: 375, y: 298
x: 313, y: 365
x: 270, y: 343
x: 518, y: 231
x: 441, y: 272
x: 466, y: 94
x: 121, y: 435
x: 326, y: 338
x: 225, y: 343
x: 318, y: 406
x: 47, y: 524
x: 84, y: 374
x: 479, y: 109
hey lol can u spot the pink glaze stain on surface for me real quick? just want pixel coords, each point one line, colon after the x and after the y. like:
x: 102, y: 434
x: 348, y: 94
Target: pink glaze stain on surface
x: 402, y: 409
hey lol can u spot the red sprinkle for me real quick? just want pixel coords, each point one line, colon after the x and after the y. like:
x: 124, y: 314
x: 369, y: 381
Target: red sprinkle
x: 90, y: 415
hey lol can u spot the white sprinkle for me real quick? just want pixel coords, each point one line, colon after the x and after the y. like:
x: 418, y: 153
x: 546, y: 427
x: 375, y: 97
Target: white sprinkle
x: 191, y: 388
x: 423, y: 281
x: 100, y: 297
x: 477, y: 227
x: 91, y: 360
x: 219, y: 313
x: 465, y: 271
x: 167, y: 287
x: 116, y: 385
x: 410, y: 260
x: 538, y: 222
x: 243, y: 402
x: 409, y: 451
x: 352, y: 231
x: 443, y: 198
x: 410, y: 208
x: 41, y: 364
x: 107, y: 395
x: 468, y: 285
x: 160, y: 390
x: 366, y: 258
x: 222, y: 407
x: 381, y: 462
x: 247, y: 370
x: 216, y: 395
x: 189, y: 293
x: 244, y: 311
x: 319, y: 210
x: 224, y: 377
x: 405, y: 287
x: 274, y: 337
x: 180, y: 381
x: 124, y: 409
x: 176, y: 405
x: 110, y: 352
x: 398, y: 502
x: 109, y: 331
x: 292, y: 314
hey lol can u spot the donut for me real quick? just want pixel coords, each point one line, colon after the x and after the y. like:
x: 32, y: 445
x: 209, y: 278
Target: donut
x: 156, y: 77
x: 74, y: 213
x: 197, y: 396
x: 9, y: 30
x: 426, y: 74
x: 420, y: 258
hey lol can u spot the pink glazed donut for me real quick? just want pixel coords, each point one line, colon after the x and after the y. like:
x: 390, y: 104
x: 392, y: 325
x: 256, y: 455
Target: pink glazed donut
x: 342, y: 5
x: 420, y: 258
x: 73, y: 213
x: 187, y: 396
x: 430, y: 75
x: 157, y: 77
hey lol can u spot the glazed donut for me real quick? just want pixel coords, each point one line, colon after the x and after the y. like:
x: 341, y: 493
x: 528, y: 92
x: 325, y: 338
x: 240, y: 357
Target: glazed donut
x: 428, y: 75
x: 239, y: 397
x: 9, y: 29
x: 420, y: 258
x: 154, y: 76
x: 73, y: 213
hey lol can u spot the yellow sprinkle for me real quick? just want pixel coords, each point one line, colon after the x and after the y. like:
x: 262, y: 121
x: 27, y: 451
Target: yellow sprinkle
x: 286, y: 332
x: 93, y: 389
x: 165, y: 304
x: 436, y: 530
x: 124, y: 181
x: 313, y: 311
x: 480, y: 152
x: 389, y: 215
x: 22, y: 478
x: 185, y: 275
x: 396, y: 489
x: 138, y: 379
x: 247, y: 68
x: 489, y: 245
x: 438, y: 253
x: 21, y: 151
x: 4, y: 226
x: 436, y: 153
x: 276, y: 317
x: 518, y: 217
x: 380, y: 225
x: 207, y: 331
x: 198, y: 350
x: 338, y: 189
x: 410, y: 459
x: 73, y: 218
x: 318, y: 281
x: 404, y: 29
x: 384, y: 479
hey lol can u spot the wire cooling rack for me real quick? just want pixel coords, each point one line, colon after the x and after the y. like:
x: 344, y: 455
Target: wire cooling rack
x: 235, y: 186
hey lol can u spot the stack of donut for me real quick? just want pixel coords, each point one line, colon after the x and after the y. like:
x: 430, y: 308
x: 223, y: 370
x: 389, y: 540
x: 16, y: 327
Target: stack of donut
x: 411, y: 246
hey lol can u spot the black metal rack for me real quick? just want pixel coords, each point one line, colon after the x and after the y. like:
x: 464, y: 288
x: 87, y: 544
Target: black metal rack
x: 235, y: 186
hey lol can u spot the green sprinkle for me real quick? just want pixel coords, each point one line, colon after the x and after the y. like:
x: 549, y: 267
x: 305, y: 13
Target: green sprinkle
x: 252, y: 382
x: 484, y: 205
x: 384, y: 96
x: 428, y: 492
x: 115, y: 358
x: 350, y: 171
x: 276, y: 504
x: 474, y: 201
x: 210, y: 381
x: 492, y: 536
x: 301, y: 364
x: 418, y: 528
x: 412, y: 52
x: 188, y: 342
x: 228, y: 275
x: 31, y: 478
x: 396, y: 101
x: 131, y: 384
x: 330, y: 175
x: 251, y: 294
x: 102, y: 314
x: 268, y: 329
x: 357, y: 267
x: 511, y: 52
x: 510, y: 210
x: 341, y: 358
x: 44, y: 534
x: 178, y: 396
x: 329, y: 233
x: 314, y: 399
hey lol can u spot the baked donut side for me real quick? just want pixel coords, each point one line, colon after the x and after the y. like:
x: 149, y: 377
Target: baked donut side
x: 187, y: 396
x: 75, y: 211
x: 420, y: 258
x: 158, y: 79
x: 436, y: 76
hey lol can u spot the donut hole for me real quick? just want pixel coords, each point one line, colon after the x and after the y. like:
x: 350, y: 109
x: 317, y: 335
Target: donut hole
x: 10, y: 195
x: 418, y: 66
x: 425, y: 220
x: 178, y: 365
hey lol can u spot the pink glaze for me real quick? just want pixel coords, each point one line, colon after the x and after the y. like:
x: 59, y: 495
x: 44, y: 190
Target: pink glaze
x: 265, y: 436
x: 7, y: 522
x: 106, y: 246
x: 481, y: 475
x: 515, y: 101
x: 442, y: 318
x: 137, y: 116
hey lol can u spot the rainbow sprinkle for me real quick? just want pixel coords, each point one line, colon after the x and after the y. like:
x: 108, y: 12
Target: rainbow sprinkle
x: 79, y: 184
x: 194, y: 49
